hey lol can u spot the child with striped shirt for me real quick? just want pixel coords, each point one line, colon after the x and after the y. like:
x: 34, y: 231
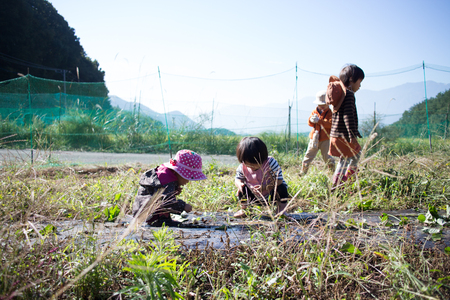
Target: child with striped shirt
x: 259, y: 177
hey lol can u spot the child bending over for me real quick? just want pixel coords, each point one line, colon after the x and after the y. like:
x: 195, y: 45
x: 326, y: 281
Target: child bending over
x: 168, y: 179
x: 258, y: 176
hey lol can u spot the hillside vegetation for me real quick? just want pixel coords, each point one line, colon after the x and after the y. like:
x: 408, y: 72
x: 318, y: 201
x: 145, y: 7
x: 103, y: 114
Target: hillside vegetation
x: 413, y: 122
x: 36, y: 40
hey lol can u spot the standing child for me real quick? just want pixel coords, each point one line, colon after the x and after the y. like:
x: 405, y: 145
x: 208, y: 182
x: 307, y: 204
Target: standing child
x: 258, y: 176
x: 320, y: 121
x: 168, y: 179
x: 344, y: 130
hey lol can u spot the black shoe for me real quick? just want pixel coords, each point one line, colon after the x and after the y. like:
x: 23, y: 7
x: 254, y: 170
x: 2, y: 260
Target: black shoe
x: 166, y: 221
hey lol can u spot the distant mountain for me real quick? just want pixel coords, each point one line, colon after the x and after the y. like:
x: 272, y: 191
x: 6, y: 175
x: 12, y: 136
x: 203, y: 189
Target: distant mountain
x: 390, y: 105
x: 245, y: 119
x: 174, y: 118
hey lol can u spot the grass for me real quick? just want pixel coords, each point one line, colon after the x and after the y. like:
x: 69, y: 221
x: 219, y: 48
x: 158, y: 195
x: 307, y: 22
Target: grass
x: 277, y: 262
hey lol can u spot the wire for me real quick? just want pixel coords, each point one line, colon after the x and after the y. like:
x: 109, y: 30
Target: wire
x: 143, y: 76
x: 26, y: 63
x: 311, y: 72
x: 395, y: 72
x: 240, y: 79
x: 437, y: 68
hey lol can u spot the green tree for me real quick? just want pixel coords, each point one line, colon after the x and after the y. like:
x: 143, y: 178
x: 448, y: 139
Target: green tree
x: 36, y: 40
x: 413, y: 122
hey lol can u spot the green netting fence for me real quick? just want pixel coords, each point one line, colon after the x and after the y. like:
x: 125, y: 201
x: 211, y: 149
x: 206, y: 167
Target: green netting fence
x: 49, y: 114
x: 38, y: 113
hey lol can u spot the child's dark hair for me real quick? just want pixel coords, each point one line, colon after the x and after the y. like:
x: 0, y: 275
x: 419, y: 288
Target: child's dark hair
x: 251, y: 150
x: 351, y: 73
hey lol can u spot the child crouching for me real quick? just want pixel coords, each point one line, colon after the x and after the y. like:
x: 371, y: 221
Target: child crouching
x: 168, y: 179
x: 258, y: 176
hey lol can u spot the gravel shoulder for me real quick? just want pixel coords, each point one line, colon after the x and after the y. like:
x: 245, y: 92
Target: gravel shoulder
x: 100, y: 158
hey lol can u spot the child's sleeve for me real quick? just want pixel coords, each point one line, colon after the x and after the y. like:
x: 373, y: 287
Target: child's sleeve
x: 240, y: 173
x: 350, y: 117
x: 169, y: 192
x: 276, y: 169
x: 309, y: 122
x: 326, y: 121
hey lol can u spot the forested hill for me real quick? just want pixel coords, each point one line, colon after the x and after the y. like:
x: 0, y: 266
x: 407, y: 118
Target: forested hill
x: 414, y: 121
x: 35, y: 39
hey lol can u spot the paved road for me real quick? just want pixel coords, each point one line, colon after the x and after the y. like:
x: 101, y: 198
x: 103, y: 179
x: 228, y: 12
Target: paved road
x: 101, y: 158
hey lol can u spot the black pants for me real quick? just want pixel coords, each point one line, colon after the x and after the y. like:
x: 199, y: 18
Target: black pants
x: 247, y: 194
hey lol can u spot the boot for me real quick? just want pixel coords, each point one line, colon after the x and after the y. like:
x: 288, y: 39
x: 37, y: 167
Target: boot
x: 349, y: 174
x: 338, y: 181
x: 159, y: 220
x: 331, y: 167
x: 305, y: 168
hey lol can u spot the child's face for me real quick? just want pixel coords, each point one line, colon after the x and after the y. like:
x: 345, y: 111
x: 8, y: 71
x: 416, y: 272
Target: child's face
x: 181, y: 181
x: 355, y: 85
x: 323, y: 107
x: 252, y: 166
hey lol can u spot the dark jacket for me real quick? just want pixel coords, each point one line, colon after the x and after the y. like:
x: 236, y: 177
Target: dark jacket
x: 150, y: 185
x: 345, y: 120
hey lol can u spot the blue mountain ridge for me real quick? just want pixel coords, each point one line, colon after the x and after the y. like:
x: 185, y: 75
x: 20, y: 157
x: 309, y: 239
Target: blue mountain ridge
x: 389, y: 105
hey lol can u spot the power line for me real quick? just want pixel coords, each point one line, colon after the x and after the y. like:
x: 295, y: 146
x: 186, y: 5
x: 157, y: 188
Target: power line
x: 395, y: 72
x: 438, y: 68
x: 223, y: 79
x: 311, y: 72
x: 25, y: 63
x: 139, y: 77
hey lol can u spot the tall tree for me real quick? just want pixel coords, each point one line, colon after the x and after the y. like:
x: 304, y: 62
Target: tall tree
x: 35, y: 39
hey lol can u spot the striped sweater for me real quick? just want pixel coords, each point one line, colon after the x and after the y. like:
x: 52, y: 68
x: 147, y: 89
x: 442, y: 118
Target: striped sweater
x: 345, y: 120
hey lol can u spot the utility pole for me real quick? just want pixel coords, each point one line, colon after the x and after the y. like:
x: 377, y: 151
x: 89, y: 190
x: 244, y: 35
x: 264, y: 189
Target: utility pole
x: 289, y: 133
x: 288, y: 138
x: 296, y: 99
x: 65, y: 95
x: 446, y: 123
x: 212, y: 118
x: 374, y: 114
x: 426, y: 105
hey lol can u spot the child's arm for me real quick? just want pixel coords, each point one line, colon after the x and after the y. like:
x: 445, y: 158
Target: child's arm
x: 312, y: 124
x: 270, y: 186
x: 239, y: 179
x: 239, y: 184
x: 326, y: 121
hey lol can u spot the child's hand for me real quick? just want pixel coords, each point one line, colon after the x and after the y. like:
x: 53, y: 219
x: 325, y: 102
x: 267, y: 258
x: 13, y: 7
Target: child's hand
x: 356, y: 146
x: 314, y: 118
x: 187, y: 208
x: 258, y: 189
x: 178, y: 190
x: 240, y: 185
x: 267, y: 187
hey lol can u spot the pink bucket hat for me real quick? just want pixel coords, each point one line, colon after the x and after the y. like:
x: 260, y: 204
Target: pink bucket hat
x: 188, y: 164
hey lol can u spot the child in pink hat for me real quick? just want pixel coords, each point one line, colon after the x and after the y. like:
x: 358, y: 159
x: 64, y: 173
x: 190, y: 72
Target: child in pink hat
x: 168, y: 179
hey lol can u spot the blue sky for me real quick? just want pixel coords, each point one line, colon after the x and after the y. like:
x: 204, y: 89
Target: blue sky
x: 232, y: 39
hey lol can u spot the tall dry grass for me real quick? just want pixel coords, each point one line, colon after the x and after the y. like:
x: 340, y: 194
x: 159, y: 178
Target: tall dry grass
x: 320, y: 260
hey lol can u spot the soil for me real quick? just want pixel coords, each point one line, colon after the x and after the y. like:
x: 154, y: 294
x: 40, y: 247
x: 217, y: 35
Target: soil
x: 217, y: 230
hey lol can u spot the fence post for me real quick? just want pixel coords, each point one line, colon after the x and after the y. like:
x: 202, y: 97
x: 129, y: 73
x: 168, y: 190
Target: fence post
x: 446, y: 123
x: 426, y: 104
x: 296, y: 98
x: 289, y: 132
x: 165, y: 114
x: 30, y: 114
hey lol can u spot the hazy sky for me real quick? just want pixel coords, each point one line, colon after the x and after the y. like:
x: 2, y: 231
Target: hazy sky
x: 195, y: 43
